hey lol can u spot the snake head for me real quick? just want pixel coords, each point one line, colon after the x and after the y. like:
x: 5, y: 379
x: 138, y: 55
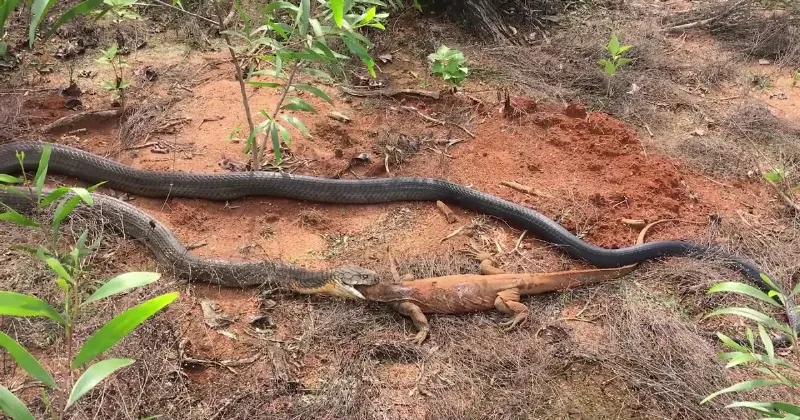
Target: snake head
x: 345, y: 278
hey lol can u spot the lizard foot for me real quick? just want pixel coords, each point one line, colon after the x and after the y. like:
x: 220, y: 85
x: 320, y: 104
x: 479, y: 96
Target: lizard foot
x: 514, y: 322
x: 419, y: 337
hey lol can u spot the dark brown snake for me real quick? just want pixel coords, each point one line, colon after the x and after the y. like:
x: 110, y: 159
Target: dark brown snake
x: 91, y: 168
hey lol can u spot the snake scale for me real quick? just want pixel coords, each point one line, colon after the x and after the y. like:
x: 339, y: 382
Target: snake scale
x: 70, y: 161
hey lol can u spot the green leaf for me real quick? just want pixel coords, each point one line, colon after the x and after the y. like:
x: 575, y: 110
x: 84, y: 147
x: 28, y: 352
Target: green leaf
x: 6, y: 8
x: 287, y: 138
x: 315, y: 91
x: 41, y: 172
x: 18, y: 304
x: 745, y: 289
x: 26, y: 361
x: 95, y: 374
x: 62, y: 284
x: 38, y: 10
x: 263, y: 84
x: 362, y: 53
x: 304, y: 16
x: 752, y: 314
x: 82, y: 8
x: 53, y: 196
x: 122, y: 283
x: 8, y: 179
x: 317, y: 28
x: 296, y: 104
x: 739, y: 359
x: 56, y: 266
x: 64, y: 209
x: 775, y: 176
x: 796, y: 289
x: 608, y: 66
x: 613, y: 45
x: 767, y: 341
x: 787, y: 408
x: 279, y: 5
x: 337, y: 7
x: 12, y: 406
x: 623, y: 48
x: 14, y: 217
x: 369, y: 15
x: 317, y: 73
x: 276, y: 143
x: 761, y: 407
x: 623, y: 61
x: 769, y: 282
x: 743, y: 386
x: 119, y: 327
x: 297, y: 123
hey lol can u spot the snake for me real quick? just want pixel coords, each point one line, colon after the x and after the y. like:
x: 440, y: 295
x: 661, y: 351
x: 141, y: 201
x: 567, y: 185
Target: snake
x: 215, y: 186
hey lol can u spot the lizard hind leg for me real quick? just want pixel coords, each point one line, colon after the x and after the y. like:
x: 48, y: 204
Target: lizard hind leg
x: 418, y: 318
x: 507, y: 302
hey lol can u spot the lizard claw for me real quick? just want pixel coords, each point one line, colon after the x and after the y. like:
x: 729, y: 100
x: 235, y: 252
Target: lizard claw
x: 419, y: 337
x: 514, y: 322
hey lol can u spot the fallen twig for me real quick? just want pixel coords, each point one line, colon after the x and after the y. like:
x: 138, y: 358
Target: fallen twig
x: 76, y: 118
x: 448, y: 214
x: 143, y: 146
x: 435, y: 121
x: 389, y: 92
x: 523, y: 188
x: 712, y: 19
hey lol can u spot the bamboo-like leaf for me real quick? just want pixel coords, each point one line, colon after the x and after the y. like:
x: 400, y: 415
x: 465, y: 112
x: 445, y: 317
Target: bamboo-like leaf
x: 276, y: 143
x: 14, y: 217
x: 59, y: 269
x: 41, y: 171
x: 317, y: 73
x: 119, y: 327
x: 26, y: 361
x: 95, y: 374
x: 368, y: 15
x: 18, y: 304
x: 739, y: 359
x: 362, y: 53
x: 732, y: 344
x: 767, y: 341
x: 12, y: 406
x: 296, y: 104
x: 337, y: 7
x: 263, y: 84
x: 745, y: 289
x: 6, y: 8
x: 761, y: 407
x: 82, y: 8
x: 53, y: 196
x: 122, y: 283
x: 287, y: 138
x: 787, y: 408
x: 64, y: 209
x: 754, y: 315
x: 743, y: 386
x: 291, y: 119
x: 796, y: 289
x: 38, y: 10
x: 315, y: 91
x: 304, y: 16
x: 8, y: 179
x: 765, y: 278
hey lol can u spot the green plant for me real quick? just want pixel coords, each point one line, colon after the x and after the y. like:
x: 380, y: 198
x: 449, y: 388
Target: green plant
x: 294, y: 39
x: 761, y: 358
x: 70, y: 267
x: 110, y: 57
x: 615, y: 60
x: 449, y: 65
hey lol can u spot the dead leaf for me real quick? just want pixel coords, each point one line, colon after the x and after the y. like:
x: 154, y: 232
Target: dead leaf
x: 385, y: 58
x: 212, y: 316
x: 699, y: 132
x: 763, y: 62
x: 636, y: 223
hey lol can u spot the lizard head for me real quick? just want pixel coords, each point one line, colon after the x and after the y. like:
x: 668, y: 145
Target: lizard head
x: 345, y: 278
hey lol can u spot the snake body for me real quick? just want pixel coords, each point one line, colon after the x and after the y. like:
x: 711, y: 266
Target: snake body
x: 91, y: 168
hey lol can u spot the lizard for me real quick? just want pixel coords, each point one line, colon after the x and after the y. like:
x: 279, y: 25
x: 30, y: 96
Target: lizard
x: 491, y: 289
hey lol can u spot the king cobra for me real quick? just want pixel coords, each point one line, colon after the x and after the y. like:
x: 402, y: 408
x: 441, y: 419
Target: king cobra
x: 88, y: 167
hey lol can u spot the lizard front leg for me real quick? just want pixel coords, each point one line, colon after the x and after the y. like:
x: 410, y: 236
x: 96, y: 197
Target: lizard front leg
x: 487, y: 261
x: 417, y: 317
x: 508, y: 303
